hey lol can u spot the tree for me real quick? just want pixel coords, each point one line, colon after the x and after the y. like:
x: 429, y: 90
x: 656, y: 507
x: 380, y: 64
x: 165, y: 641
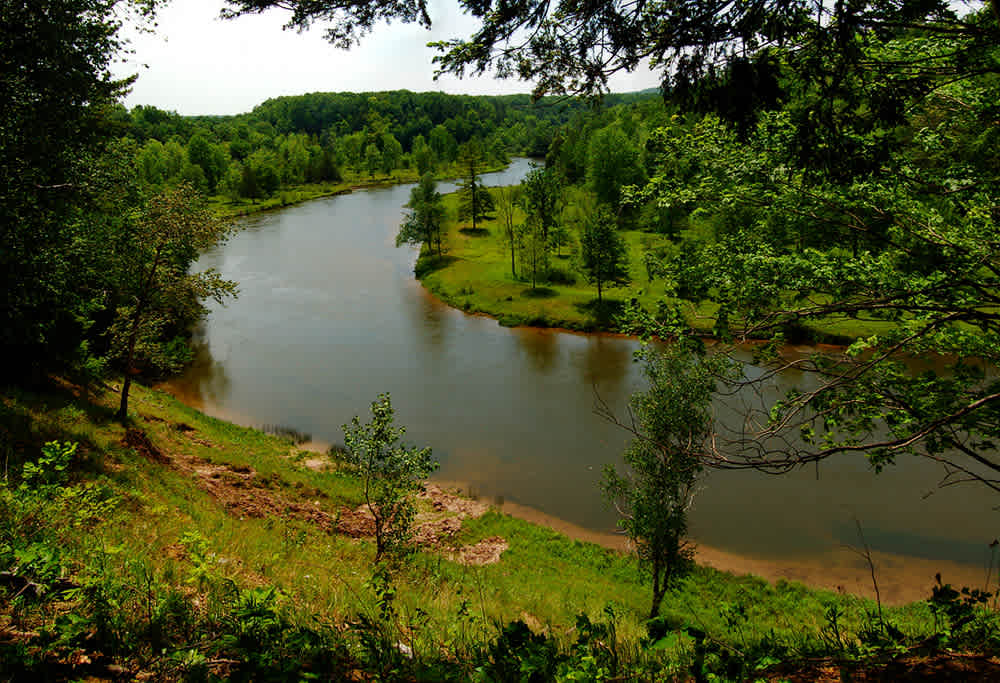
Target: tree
x: 541, y: 193
x: 424, y: 223
x: 909, y: 246
x: 603, y: 255
x: 392, y: 153
x: 474, y: 200
x: 507, y: 202
x: 391, y: 472
x: 55, y: 59
x: 534, y: 250
x: 423, y: 155
x: 612, y: 163
x: 159, y: 292
x: 671, y: 423
x: 373, y: 159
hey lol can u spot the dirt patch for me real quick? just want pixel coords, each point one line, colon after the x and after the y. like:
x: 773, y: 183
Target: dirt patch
x: 433, y: 534
x: 317, y: 464
x: 487, y: 551
x: 357, y: 523
x: 242, y: 492
x: 137, y: 440
x: 447, y: 501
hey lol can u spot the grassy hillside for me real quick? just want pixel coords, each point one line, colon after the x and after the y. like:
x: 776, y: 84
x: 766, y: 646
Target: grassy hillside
x: 186, y: 547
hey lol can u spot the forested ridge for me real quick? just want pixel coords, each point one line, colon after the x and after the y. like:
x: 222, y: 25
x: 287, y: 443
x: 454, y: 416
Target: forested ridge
x: 807, y: 171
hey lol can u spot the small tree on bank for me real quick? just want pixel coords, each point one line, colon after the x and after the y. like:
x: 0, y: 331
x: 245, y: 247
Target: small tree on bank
x: 424, y: 223
x: 670, y: 422
x: 507, y: 204
x: 604, y: 258
x: 474, y: 201
x: 162, y: 296
x: 391, y: 472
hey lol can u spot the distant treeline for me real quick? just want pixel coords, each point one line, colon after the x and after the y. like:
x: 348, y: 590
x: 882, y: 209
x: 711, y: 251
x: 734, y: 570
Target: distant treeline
x: 321, y: 137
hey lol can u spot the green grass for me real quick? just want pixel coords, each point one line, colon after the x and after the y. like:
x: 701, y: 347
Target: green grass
x: 476, y: 277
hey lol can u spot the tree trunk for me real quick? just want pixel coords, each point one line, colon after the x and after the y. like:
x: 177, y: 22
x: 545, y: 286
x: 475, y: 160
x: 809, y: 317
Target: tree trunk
x: 659, y: 584
x: 140, y: 307
x: 513, y: 271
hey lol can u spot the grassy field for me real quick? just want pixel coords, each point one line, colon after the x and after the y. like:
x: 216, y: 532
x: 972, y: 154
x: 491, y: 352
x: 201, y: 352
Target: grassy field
x: 475, y: 275
x: 194, y: 509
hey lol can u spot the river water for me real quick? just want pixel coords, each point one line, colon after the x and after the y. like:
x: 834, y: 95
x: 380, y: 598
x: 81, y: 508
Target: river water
x: 330, y: 315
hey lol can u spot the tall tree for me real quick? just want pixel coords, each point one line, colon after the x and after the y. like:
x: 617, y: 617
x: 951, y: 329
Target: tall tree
x: 603, y: 255
x: 55, y: 58
x: 612, y: 163
x: 424, y: 223
x: 534, y: 250
x: 474, y: 200
x: 542, y: 193
x: 158, y: 292
x: 508, y: 199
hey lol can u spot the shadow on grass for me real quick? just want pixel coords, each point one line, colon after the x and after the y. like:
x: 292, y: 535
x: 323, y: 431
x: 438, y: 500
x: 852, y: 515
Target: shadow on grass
x: 602, y: 312
x: 539, y: 293
x: 474, y: 232
x: 429, y: 264
x: 46, y: 411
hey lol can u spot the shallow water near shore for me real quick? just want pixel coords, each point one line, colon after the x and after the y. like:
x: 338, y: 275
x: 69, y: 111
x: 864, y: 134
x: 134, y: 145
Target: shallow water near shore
x: 330, y: 315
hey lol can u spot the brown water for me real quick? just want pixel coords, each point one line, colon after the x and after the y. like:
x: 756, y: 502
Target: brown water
x: 329, y: 316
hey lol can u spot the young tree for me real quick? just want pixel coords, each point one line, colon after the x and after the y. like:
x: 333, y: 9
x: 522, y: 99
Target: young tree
x: 670, y: 422
x: 424, y: 224
x: 392, y: 153
x: 391, y: 473
x: 474, y: 200
x: 603, y: 255
x: 160, y: 294
x: 507, y: 202
x: 534, y: 250
x: 541, y: 192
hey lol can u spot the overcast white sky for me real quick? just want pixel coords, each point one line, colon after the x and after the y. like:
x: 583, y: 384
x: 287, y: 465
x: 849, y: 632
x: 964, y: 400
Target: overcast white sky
x: 196, y: 63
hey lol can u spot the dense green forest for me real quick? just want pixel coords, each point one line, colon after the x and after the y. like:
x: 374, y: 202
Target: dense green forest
x: 825, y: 172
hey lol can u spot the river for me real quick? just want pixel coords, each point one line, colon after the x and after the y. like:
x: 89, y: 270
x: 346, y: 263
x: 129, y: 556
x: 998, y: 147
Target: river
x: 330, y: 315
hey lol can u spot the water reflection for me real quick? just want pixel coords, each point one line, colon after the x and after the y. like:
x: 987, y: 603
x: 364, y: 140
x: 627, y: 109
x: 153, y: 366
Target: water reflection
x: 539, y: 347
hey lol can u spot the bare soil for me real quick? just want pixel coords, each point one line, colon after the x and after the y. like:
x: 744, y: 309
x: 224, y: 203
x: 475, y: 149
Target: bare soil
x: 243, y: 493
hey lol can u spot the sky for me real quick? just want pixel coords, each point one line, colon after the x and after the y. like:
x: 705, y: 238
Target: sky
x: 196, y: 63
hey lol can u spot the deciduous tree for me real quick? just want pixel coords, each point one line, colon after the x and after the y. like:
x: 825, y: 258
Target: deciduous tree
x: 671, y: 422
x: 158, y: 293
x: 424, y: 223
x: 391, y: 473
x: 603, y: 255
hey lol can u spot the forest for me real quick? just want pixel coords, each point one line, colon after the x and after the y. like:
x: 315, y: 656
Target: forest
x: 807, y: 173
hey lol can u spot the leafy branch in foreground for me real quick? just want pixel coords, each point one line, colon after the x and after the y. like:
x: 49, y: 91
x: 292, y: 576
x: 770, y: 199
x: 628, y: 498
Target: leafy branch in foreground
x: 908, y: 250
